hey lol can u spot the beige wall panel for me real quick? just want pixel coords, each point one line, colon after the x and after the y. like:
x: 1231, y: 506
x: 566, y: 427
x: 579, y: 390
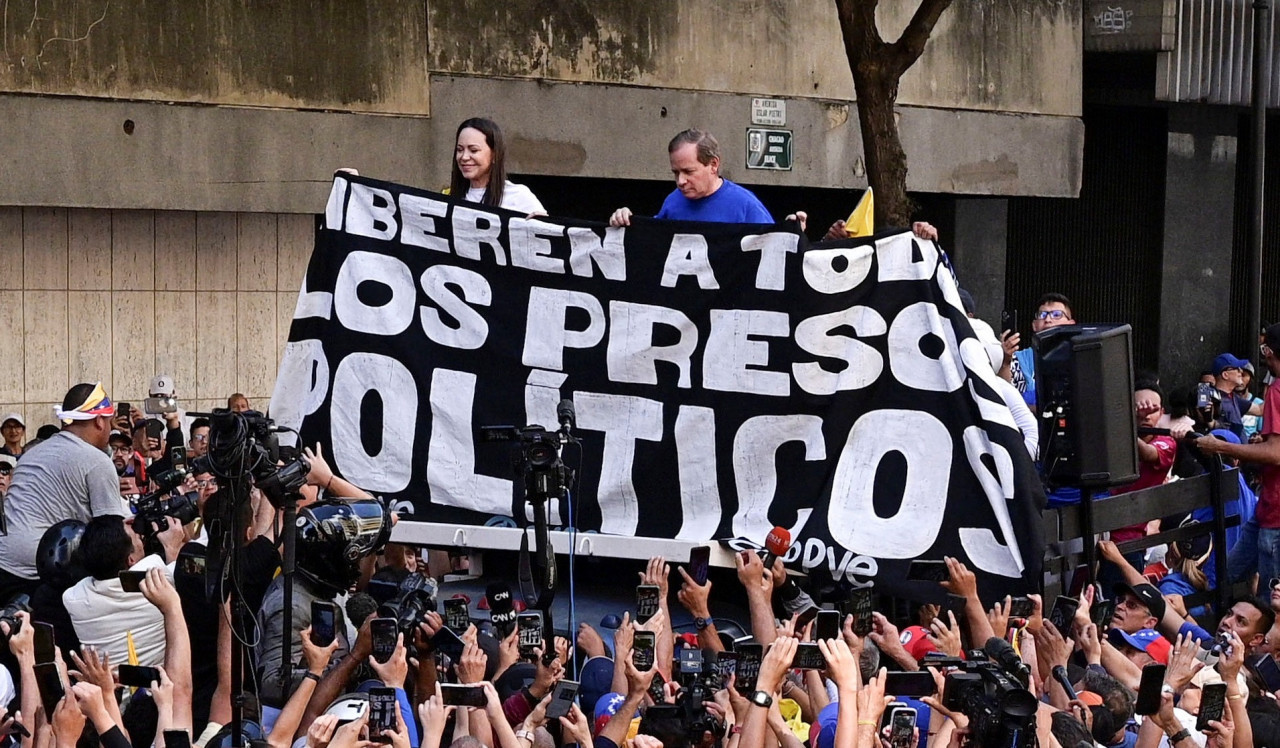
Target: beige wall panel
x: 297, y: 237
x: 216, y: 251
x: 12, y: 370
x: 11, y: 248
x: 133, y: 343
x: 256, y: 251
x: 133, y: 250
x: 89, y: 338
x: 257, y: 359
x: 175, y: 250
x: 44, y: 248
x: 285, y: 303
x: 88, y: 250
x: 215, y: 344
x: 39, y: 414
x: 45, y: 344
x: 176, y: 340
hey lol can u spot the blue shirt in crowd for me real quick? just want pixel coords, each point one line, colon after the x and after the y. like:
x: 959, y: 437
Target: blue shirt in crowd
x: 731, y: 203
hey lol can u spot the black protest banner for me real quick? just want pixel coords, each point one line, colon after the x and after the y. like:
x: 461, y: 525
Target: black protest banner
x: 726, y: 379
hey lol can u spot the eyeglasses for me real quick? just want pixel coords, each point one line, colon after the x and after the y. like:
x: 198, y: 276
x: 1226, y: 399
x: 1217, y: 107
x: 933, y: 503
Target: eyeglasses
x: 206, y: 483
x: 1274, y: 583
x: 1052, y: 314
x: 5, y: 470
x: 199, y: 437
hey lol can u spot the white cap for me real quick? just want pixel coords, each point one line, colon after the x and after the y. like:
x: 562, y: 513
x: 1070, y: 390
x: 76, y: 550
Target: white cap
x: 14, y: 417
x: 9, y: 460
x: 162, y: 384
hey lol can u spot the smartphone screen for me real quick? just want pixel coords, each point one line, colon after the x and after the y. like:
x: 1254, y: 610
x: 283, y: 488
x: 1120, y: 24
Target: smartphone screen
x: 50, y: 683
x: 457, y: 694
x: 644, y: 650
x: 45, y: 648
x: 861, y: 605
x: 530, y: 626
x: 748, y: 668
x: 1269, y: 671
x: 178, y: 457
x: 384, y: 638
x: 1213, y: 697
x: 827, y: 626
x: 928, y: 571
x: 323, y: 622
x: 808, y: 657
x: 131, y: 581
x: 657, y: 689
x: 1021, y: 607
x: 456, y: 614
x: 138, y: 676
x: 1102, y: 612
x: 447, y: 642
x: 562, y: 699
x: 914, y: 684
x: 724, y: 665
x: 902, y: 728
x: 1063, y: 613
x: 382, y: 713
x: 699, y: 563
x: 646, y: 602
x: 177, y: 739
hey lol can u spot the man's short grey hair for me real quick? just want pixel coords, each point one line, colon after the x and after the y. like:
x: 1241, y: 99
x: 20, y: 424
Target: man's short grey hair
x: 708, y: 146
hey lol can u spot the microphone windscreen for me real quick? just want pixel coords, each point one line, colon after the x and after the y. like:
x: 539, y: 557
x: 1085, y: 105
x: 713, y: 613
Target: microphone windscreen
x: 359, y: 607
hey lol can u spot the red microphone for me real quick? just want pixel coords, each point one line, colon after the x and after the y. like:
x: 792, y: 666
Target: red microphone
x: 776, y: 545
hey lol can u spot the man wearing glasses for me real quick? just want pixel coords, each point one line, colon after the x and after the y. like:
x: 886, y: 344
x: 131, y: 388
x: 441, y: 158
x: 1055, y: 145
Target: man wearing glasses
x: 1228, y: 373
x: 199, y: 445
x: 1053, y: 310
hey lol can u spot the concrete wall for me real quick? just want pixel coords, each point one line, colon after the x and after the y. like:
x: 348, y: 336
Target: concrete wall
x: 122, y: 295
x: 318, y: 54
x: 985, y: 54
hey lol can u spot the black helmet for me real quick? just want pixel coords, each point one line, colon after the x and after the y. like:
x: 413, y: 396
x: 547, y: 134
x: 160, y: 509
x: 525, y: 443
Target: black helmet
x: 56, y: 561
x: 334, y: 535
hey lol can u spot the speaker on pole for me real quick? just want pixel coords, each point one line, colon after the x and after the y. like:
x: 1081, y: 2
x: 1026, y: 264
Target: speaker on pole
x: 1084, y: 386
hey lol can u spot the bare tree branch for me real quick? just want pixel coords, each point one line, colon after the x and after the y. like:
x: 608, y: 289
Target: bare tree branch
x: 910, y: 45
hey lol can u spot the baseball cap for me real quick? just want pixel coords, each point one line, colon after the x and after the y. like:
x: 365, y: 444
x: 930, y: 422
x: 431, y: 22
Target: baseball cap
x: 1147, y: 640
x: 915, y: 639
x: 162, y: 384
x: 13, y: 417
x: 1227, y: 361
x: 1149, y: 595
x: 119, y: 437
x: 9, y: 460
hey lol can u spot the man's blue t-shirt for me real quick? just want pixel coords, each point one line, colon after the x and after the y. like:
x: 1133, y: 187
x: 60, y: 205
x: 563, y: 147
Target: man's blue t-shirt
x: 729, y: 204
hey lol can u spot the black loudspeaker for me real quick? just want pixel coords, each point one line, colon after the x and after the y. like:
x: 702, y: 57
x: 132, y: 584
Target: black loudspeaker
x: 1084, y: 397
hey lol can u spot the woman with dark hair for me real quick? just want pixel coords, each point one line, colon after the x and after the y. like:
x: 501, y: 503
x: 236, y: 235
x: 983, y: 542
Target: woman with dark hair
x: 480, y: 170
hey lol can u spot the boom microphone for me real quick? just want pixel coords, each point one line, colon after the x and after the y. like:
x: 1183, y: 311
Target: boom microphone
x: 1001, y: 652
x: 501, y: 610
x: 360, y: 606
x: 776, y: 545
x: 567, y: 417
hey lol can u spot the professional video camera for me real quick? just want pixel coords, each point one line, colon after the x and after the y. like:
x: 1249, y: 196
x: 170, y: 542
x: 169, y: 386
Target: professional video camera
x: 9, y: 615
x: 245, y: 442
x: 700, y: 676
x: 535, y: 456
x: 415, y: 597
x: 989, y: 688
x: 150, y: 510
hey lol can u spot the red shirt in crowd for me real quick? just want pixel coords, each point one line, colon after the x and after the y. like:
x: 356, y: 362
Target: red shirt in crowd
x: 1268, y: 511
x: 1149, y: 474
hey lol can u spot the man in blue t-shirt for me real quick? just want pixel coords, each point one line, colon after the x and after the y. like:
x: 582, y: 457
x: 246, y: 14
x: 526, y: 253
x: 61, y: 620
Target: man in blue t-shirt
x: 701, y: 194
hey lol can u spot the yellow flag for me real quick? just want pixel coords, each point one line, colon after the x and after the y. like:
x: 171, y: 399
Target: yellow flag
x: 862, y: 221
x: 133, y: 653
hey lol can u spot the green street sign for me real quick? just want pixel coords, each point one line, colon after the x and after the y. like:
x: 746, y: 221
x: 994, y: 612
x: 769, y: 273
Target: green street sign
x: 768, y: 149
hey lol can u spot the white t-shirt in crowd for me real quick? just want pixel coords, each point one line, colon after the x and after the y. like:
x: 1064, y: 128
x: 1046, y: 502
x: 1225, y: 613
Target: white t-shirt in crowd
x: 103, y: 615
x: 515, y: 197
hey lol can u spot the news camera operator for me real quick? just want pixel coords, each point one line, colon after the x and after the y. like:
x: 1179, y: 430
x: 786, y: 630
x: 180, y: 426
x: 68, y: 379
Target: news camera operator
x: 69, y: 477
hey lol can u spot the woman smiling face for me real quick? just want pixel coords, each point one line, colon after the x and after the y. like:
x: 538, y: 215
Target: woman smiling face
x: 474, y: 156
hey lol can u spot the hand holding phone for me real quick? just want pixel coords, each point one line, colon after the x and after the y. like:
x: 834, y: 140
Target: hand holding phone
x: 699, y: 563
x: 384, y: 633
x: 323, y: 623
x: 382, y: 713
x: 644, y: 650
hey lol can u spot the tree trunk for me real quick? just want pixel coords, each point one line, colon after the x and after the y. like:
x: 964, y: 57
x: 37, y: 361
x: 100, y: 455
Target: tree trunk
x: 882, y: 146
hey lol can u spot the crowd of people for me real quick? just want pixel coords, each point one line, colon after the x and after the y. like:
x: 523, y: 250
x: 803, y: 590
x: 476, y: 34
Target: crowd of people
x: 143, y: 603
